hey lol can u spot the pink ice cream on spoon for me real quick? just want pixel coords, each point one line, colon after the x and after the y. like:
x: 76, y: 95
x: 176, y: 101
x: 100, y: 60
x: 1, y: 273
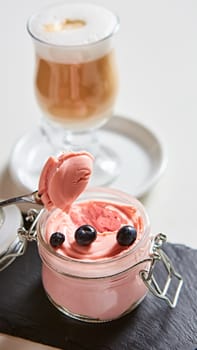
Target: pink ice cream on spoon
x: 64, y: 178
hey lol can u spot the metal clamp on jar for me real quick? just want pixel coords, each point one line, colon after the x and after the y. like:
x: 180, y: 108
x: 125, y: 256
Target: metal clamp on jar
x: 108, y: 289
x: 13, y: 241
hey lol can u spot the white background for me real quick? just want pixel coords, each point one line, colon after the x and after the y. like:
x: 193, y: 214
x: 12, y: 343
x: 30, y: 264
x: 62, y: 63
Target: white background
x: 157, y: 58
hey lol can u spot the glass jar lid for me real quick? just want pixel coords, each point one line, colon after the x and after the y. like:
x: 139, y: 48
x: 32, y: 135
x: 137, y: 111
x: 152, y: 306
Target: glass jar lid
x: 10, y: 220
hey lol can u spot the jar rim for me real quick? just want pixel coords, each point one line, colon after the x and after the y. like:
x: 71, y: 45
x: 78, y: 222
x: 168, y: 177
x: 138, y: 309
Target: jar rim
x: 101, y: 190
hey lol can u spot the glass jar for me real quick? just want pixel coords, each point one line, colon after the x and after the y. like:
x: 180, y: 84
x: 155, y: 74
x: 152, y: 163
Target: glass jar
x: 104, y: 289
x: 97, y: 290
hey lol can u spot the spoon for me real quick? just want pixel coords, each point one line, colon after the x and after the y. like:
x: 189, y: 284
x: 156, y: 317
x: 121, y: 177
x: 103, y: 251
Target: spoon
x: 27, y: 198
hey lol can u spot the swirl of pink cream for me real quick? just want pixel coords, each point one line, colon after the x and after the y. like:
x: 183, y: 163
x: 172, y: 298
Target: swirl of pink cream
x: 64, y: 178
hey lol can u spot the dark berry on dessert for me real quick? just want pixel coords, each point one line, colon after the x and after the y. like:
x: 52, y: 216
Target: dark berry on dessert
x: 126, y: 235
x: 56, y: 239
x: 85, y: 235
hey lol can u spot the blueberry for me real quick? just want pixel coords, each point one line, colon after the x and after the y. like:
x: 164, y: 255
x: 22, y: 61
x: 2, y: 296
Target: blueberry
x: 56, y: 239
x: 85, y: 235
x: 126, y: 235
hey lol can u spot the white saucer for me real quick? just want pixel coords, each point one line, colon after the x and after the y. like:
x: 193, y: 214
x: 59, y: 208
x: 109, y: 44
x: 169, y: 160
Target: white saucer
x: 141, y: 153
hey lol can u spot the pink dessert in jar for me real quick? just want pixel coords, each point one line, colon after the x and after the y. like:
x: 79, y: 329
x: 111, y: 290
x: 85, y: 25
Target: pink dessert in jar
x: 93, y: 242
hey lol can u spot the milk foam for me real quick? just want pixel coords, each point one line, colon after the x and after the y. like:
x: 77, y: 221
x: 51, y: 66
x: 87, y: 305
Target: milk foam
x: 73, y: 44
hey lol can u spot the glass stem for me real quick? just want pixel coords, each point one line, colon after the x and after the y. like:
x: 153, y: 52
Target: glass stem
x: 63, y: 139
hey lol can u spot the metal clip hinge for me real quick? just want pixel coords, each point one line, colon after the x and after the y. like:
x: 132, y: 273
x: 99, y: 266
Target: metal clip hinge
x: 18, y: 247
x: 150, y: 280
x: 30, y: 234
x: 13, y: 252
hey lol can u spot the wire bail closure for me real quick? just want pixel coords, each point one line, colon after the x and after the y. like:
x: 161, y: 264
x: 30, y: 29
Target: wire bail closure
x: 24, y: 235
x: 13, y: 251
x: 30, y: 234
x: 158, y: 255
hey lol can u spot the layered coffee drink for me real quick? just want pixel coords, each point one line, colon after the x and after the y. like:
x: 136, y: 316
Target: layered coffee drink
x: 76, y: 76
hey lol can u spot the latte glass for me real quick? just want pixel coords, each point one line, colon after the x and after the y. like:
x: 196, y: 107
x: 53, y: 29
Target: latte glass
x: 76, y: 80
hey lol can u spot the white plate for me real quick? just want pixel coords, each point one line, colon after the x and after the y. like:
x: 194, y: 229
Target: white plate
x: 142, y: 156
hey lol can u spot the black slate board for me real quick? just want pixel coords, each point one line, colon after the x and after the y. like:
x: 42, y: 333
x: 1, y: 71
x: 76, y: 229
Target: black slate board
x: 26, y: 312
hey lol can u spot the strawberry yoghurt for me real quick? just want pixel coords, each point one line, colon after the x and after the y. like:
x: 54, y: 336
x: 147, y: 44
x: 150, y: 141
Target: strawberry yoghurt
x: 106, y: 217
x: 64, y: 178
